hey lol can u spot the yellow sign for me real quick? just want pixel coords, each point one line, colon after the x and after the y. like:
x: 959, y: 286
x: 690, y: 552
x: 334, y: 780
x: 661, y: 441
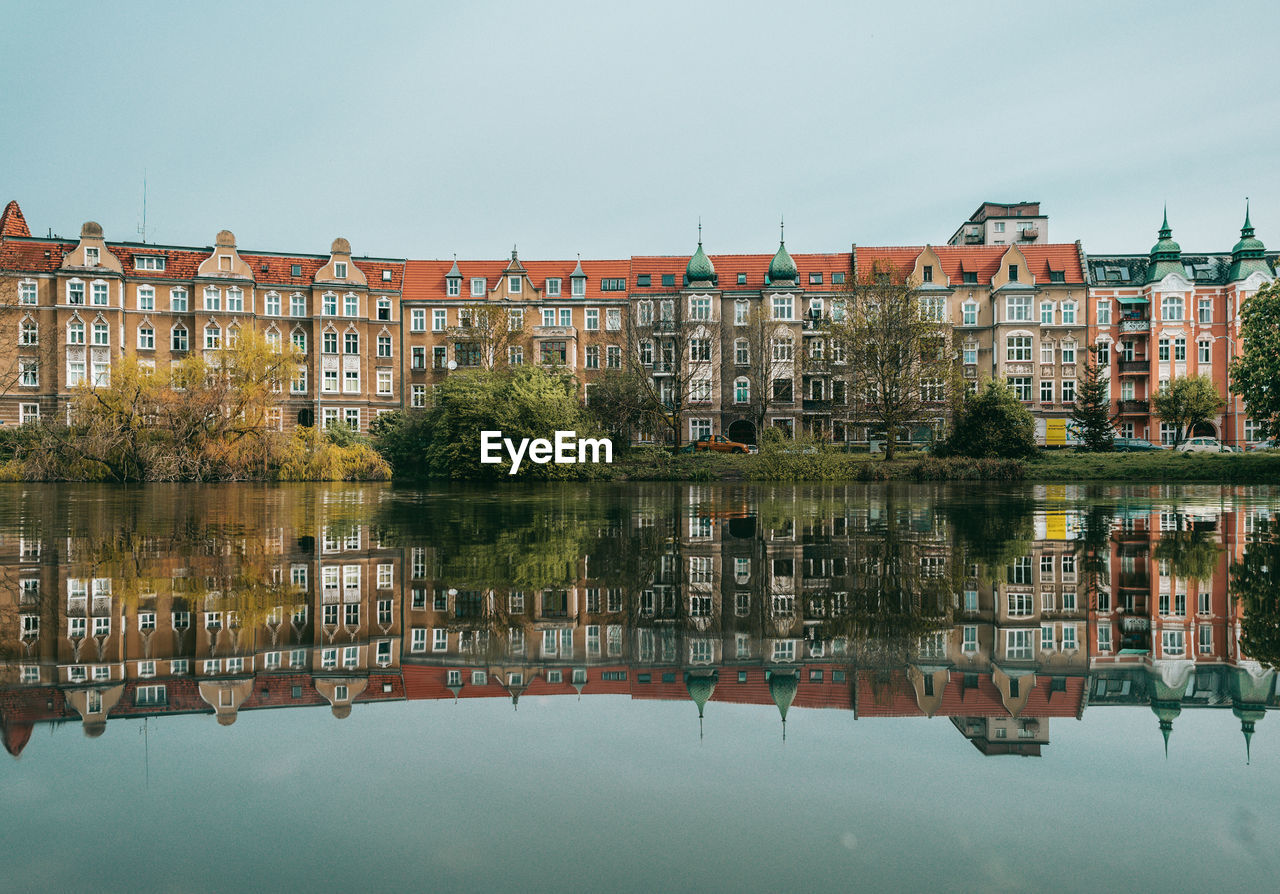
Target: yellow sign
x: 1055, y: 433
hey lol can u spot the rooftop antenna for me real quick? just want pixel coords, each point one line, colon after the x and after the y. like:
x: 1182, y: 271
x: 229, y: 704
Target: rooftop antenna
x: 142, y: 229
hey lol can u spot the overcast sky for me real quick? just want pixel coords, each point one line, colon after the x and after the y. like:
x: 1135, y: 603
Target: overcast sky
x: 424, y: 129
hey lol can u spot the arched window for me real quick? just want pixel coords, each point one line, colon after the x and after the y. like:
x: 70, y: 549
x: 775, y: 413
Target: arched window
x: 28, y: 333
x: 178, y: 338
x: 75, y: 333
x: 146, y: 338
x: 101, y: 334
x: 212, y: 337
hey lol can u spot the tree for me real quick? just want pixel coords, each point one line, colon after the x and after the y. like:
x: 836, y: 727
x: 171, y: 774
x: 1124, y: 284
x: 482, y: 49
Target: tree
x: 1255, y: 373
x: 1253, y: 581
x: 670, y: 360
x: 900, y: 365
x: 1187, y: 402
x: 1092, y: 411
x: 992, y: 423
x: 772, y: 357
x: 521, y: 402
x: 488, y: 331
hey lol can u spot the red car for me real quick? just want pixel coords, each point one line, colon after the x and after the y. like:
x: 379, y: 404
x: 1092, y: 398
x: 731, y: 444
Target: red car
x: 720, y: 444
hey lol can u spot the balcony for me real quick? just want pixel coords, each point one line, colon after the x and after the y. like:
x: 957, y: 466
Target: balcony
x: 973, y: 238
x: 664, y: 325
x: 811, y: 323
x: 810, y: 405
x: 1135, y: 325
x: 555, y: 332
x: 1134, y: 408
x: 1134, y: 367
x: 1029, y: 234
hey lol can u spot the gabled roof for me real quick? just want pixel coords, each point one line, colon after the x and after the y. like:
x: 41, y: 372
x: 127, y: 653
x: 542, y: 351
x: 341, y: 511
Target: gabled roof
x: 984, y: 260
x: 12, y: 223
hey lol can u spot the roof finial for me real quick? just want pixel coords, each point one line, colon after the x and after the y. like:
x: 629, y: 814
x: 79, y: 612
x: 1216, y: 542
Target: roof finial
x: 782, y: 229
x: 513, y: 251
x: 1247, y: 226
x: 699, y: 229
x: 1165, y: 232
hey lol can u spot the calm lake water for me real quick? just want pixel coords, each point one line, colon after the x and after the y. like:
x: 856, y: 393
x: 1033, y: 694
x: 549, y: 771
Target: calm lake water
x: 653, y: 687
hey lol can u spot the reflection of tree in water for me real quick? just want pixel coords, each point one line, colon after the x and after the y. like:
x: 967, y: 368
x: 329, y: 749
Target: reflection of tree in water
x: 1255, y: 580
x: 989, y: 530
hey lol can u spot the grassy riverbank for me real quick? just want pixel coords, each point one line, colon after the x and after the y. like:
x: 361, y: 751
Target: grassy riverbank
x: 1048, y: 466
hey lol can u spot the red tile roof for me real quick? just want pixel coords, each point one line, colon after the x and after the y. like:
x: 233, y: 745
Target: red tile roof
x: 28, y: 255
x: 425, y: 280
x: 729, y: 266
x: 896, y: 697
x: 981, y: 259
x: 12, y: 223
x: 179, y: 263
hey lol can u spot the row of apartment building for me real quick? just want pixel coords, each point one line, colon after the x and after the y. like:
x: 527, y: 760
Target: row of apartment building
x: 378, y: 334
x: 255, y: 609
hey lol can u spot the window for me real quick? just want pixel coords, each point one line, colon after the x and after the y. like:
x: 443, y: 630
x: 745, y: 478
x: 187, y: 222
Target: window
x: 741, y: 352
x: 553, y: 287
x: 101, y: 334
x: 1069, y: 312
x: 613, y: 319
x: 554, y: 353
x: 783, y: 348
x: 1171, y: 307
x: 1069, y: 352
x: 1017, y: 308
x: 1046, y: 352
x: 212, y: 337
x: 591, y: 318
x: 1162, y: 347
x: 350, y: 305
x: 99, y: 292
x: 212, y: 298
x: 146, y: 298
x: 27, y: 292
x: 384, y: 309
x: 1046, y: 313
x: 351, y: 343
x: 146, y: 338
x: 578, y: 286
x: 515, y: 355
x: 297, y: 305
x: 566, y: 316
x: 28, y: 413
x: 699, y: 429
x: 1013, y: 268
x: 1173, y: 642
x: 298, y: 382
x: 741, y: 391
x: 970, y: 352
x: 699, y: 349
x: 969, y: 311
x: 351, y: 381
x: 1202, y: 355
x: 1205, y: 311
x: 384, y: 382
x: 339, y: 269
x: 782, y: 390
x: 612, y: 285
x: 700, y: 391
x: 1046, y: 391
x: 1104, y: 313
x: 1018, y: 643
x: 613, y: 357
x: 1019, y: 347
x: 235, y: 300
x: 969, y: 642
x: 1068, y: 391
x: 700, y: 308
x: 75, y: 292
x: 1180, y: 349
x: 1047, y: 640
x: 592, y: 357
x: 417, y: 396
x: 927, y: 273
x: 783, y: 307
x: 741, y: 312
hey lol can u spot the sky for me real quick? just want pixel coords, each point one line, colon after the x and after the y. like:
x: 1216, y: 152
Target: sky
x: 613, y: 794
x: 426, y: 129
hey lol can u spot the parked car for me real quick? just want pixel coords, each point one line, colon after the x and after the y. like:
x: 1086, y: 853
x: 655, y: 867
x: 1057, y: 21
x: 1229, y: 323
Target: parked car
x: 1203, y: 445
x: 1268, y: 444
x: 720, y: 444
x: 1134, y: 445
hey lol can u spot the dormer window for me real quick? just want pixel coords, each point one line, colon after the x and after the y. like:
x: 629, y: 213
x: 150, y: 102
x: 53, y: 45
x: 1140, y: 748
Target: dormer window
x: 928, y: 273
x: 513, y: 285
x: 339, y: 269
x: 553, y: 287
x: 477, y: 286
x: 91, y: 256
x: 295, y: 270
x: 386, y: 276
x: 453, y: 287
x: 579, y: 287
x: 148, y: 263
x: 1013, y: 273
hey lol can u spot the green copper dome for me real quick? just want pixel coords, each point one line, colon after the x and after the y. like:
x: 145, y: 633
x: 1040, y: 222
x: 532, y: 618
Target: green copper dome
x: 782, y: 268
x: 1247, y: 257
x: 1166, y: 255
x: 783, y: 686
x: 700, y: 687
x: 700, y: 268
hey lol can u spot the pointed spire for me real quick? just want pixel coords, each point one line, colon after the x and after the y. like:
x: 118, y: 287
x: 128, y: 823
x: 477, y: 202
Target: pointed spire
x: 782, y: 268
x: 1246, y: 727
x: 1166, y: 727
x: 1248, y: 256
x: 454, y: 272
x: 577, y: 271
x: 1165, y: 231
x: 1166, y: 255
x: 700, y: 268
x: 1247, y: 229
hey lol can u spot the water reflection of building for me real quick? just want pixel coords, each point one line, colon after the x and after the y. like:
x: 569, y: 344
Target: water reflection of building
x: 859, y: 600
